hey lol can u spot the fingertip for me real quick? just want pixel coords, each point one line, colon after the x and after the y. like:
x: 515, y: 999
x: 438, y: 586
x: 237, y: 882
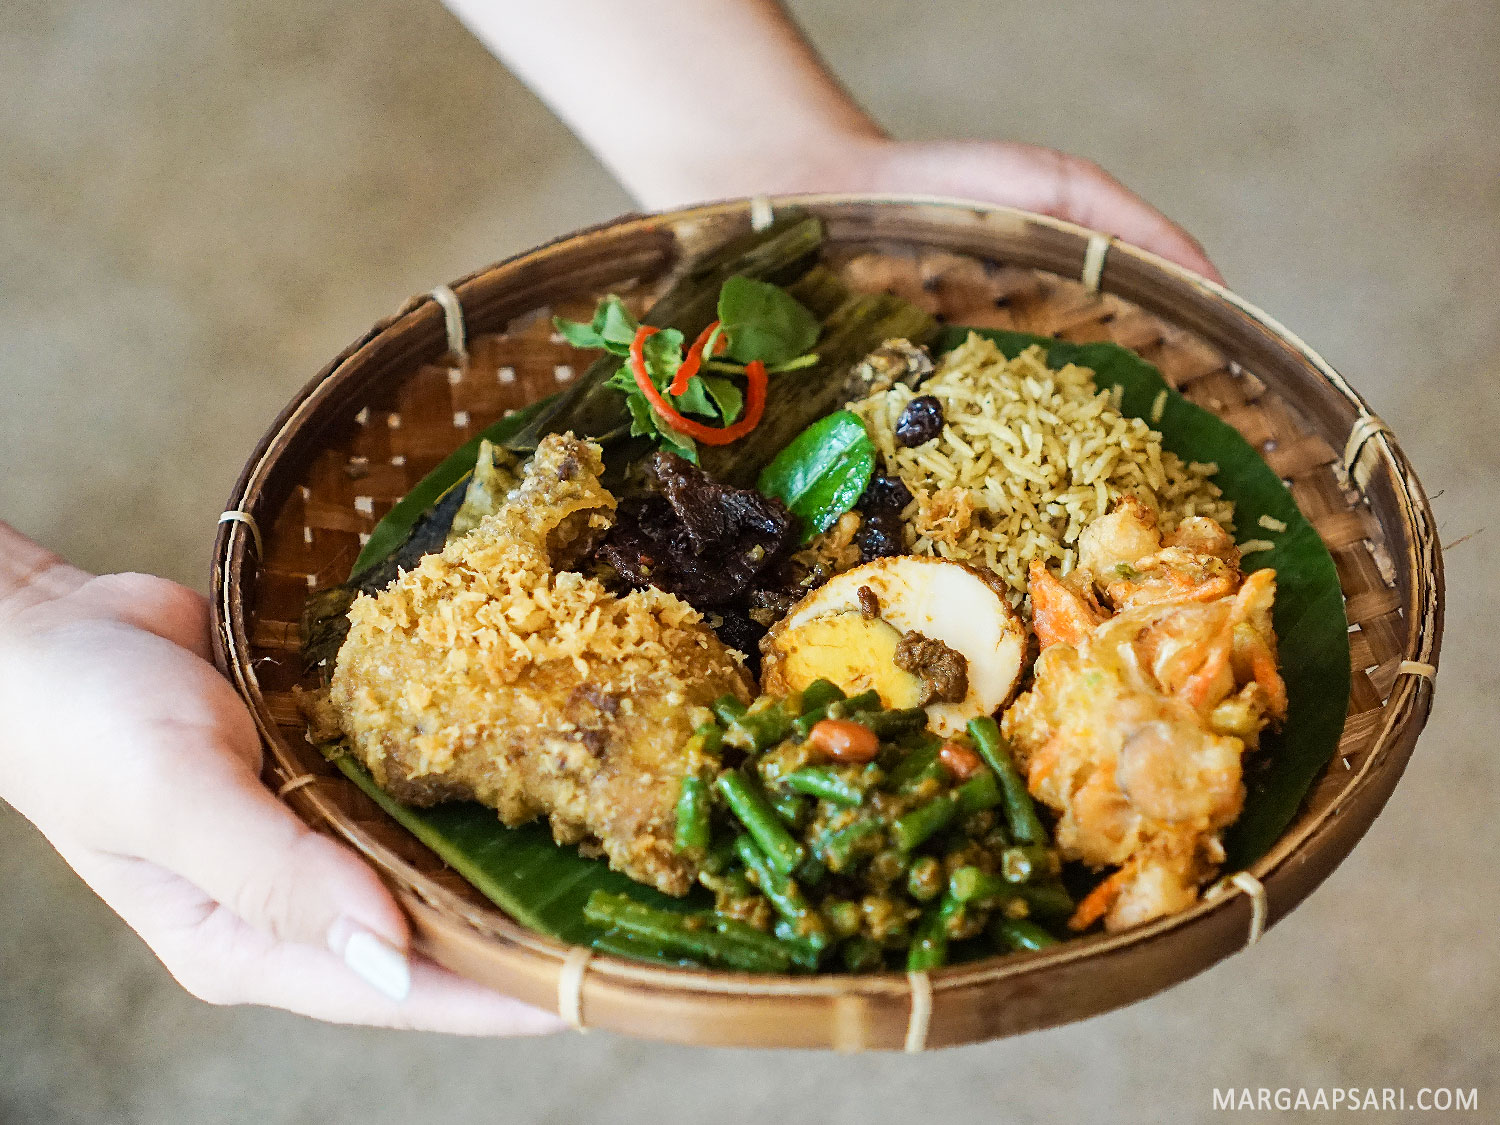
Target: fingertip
x: 376, y: 962
x: 359, y: 897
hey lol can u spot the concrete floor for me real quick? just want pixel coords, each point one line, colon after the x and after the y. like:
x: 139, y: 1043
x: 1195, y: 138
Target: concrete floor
x: 204, y: 202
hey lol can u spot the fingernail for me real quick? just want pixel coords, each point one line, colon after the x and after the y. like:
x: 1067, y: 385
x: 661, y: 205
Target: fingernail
x: 378, y: 963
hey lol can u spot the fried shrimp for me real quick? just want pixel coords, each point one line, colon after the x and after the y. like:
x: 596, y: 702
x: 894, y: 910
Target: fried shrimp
x: 1135, y: 725
x: 493, y: 673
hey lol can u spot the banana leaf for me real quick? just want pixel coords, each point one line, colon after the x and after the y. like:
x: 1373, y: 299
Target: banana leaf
x: 544, y: 886
x: 1312, y: 632
x: 539, y: 883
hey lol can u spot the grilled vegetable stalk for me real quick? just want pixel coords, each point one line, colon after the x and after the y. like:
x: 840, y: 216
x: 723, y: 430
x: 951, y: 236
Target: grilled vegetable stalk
x: 780, y: 254
x: 798, y: 398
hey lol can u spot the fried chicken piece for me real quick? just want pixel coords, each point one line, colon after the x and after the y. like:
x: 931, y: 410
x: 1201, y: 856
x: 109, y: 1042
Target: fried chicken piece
x: 1137, y: 719
x: 490, y: 672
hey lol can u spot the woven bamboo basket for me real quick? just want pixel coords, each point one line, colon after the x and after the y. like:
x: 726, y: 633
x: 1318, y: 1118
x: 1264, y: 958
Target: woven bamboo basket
x: 426, y: 379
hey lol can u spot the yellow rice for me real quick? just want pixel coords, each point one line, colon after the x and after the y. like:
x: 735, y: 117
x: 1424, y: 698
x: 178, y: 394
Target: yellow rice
x: 1027, y: 457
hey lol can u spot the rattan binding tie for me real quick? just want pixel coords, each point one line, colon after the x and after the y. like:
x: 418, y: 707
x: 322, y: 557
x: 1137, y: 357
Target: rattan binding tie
x: 301, y: 781
x: 1417, y: 668
x: 921, y: 1012
x: 761, y: 214
x: 1260, y: 906
x: 453, y: 321
x: 1365, y: 427
x: 1093, y: 260
x: 249, y: 521
x: 570, y: 986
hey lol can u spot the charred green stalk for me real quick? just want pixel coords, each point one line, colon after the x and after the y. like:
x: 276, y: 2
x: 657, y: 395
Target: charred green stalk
x: 779, y: 254
x: 799, y: 398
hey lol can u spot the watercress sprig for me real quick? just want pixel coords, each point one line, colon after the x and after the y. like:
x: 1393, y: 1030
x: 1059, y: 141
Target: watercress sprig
x: 757, y: 322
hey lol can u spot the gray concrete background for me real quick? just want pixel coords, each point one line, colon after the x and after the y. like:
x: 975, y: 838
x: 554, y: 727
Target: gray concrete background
x: 200, y: 203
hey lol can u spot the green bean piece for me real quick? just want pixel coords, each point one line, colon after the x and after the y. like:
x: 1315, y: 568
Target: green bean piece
x: 750, y: 806
x: 677, y: 934
x: 780, y: 889
x: 692, y: 814
x: 861, y: 955
x: 713, y: 738
x: 792, y: 809
x: 1019, y: 936
x: 771, y: 945
x: 888, y: 725
x: 1028, y: 863
x: 804, y: 951
x: 803, y: 724
x: 980, y: 792
x: 911, y: 830
x: 826, y: 783
x: 811, y: 873
x: 759, y: 728
x: 924, y: 882
x: 970, y: 884
x: 728, y: 708
x: 929, y: 949
x: 1025, y: 826
x: 843, y: 916
x: 731, y: 885
x: 819, y: 694
x: 910, y: 767
x: 719, y: 857
x: 838, y: 848
x: 1045, y: 900
x: 617, y: 943
x: 864, y: 701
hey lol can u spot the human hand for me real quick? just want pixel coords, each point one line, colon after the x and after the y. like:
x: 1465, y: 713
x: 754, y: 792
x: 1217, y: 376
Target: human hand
x: 140, y: 764
x: 1015, y: 175
x: 741, y: 104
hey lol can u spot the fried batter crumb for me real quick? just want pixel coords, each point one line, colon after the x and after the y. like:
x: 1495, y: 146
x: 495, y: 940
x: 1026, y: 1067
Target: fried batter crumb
x: 490, y: 672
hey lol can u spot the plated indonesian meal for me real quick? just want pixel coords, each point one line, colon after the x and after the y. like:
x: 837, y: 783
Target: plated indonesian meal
x: 823, y: 639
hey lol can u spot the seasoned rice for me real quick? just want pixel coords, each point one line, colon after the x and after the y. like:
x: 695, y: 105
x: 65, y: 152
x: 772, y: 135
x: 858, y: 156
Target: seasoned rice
x: 1026, y: 459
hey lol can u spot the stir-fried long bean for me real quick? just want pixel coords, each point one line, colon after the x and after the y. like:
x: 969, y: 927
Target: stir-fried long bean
x: 692, y: 814
x: 753, y: 810
x: 1025, y: 825
x: 823, y: 851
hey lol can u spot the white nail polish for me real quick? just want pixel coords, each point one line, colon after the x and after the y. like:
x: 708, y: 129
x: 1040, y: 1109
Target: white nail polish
x: 381, y: 966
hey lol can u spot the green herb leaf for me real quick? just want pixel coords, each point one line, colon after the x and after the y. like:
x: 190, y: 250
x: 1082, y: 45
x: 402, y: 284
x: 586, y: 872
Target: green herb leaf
x: 1312, y: 634
x: 822, y: 472
x: 662, y: 352
x: 646, y: 422
x: 727, y: 397
x: 764, y: 322
x: 613, y: 328
x: 694, y: 400
x: 577, y: 333
x: 614, y: 324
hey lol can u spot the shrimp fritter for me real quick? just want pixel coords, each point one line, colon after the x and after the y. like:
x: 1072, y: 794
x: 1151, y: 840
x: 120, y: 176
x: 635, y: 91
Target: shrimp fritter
x: 491, y: 672
x: 1135, y: 726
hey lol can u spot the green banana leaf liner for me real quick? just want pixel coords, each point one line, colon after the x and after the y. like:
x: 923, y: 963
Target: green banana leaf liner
x: 544, y: 885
